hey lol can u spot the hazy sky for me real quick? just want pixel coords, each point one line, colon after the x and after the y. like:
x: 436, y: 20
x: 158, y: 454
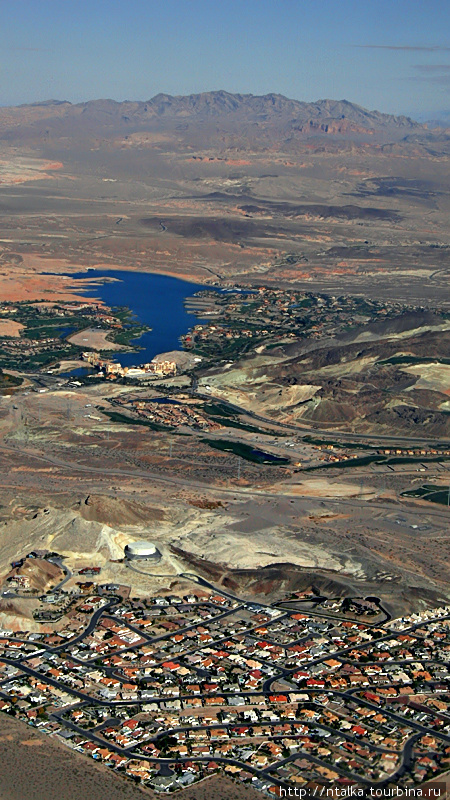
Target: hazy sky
x: 393, y: 55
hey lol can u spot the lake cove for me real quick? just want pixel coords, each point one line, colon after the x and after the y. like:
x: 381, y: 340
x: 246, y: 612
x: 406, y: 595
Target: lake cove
x: 246, y: 451
x: 156, y: 300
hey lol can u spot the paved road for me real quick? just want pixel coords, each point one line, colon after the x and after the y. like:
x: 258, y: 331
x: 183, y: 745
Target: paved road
x: 67, y: 573
x: 89, y: 628
x: 88, y: 734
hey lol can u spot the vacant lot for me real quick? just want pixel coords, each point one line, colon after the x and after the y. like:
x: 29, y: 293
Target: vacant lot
x: 95, y: 339
x: 37, y: 767
x: 9, y: 327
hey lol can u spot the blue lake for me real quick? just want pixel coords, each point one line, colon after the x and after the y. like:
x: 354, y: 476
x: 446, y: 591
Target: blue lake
x: 156, y: 300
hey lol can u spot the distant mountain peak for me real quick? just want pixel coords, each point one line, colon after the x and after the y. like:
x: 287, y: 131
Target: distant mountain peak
x: 221, y: 101
x: 43, y: 103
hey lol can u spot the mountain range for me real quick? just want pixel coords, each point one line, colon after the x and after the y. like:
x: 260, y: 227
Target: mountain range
x: 258, y: 119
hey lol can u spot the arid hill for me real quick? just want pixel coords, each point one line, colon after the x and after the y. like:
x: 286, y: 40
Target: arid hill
x: 387, y: 377
x: 110, y: 511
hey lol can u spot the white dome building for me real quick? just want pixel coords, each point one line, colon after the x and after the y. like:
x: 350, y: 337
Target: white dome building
x: 142, y: 551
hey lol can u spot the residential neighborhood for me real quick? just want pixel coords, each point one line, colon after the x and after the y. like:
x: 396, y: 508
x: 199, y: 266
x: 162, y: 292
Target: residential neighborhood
x: 169, y: 689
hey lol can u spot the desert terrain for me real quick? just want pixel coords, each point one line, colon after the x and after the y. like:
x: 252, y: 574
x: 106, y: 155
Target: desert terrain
x: 223, y: 189
x: 219, y: 187
x: 302, y: 443
x: 76, y: 481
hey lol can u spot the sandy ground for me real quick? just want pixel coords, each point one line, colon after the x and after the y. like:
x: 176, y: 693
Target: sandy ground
x: 435, y: 377
x: 94, y: 338
x: 20, y: 170
x: 19, y: 285
x: 321, y: 487
x: 9, y: 327
x: 67, y: 366
x: 45, y: 279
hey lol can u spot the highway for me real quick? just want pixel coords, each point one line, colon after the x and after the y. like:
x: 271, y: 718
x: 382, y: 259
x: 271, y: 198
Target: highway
x: 302, y: 430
